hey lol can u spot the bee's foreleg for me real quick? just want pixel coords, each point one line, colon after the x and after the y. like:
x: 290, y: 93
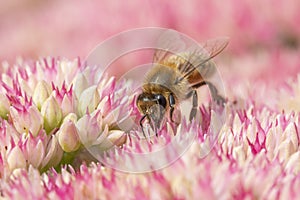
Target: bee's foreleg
x: 195, y: 105
x: 172, y: 105
x: 141, y: 124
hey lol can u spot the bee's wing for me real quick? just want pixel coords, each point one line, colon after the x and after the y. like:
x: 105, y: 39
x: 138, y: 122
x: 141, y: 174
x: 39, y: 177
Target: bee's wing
x: 198, y: 57
x: 170, y: 42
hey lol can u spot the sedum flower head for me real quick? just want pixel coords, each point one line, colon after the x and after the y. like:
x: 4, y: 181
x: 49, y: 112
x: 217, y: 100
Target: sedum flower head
x: 41, y: 115
x: 48, y: 125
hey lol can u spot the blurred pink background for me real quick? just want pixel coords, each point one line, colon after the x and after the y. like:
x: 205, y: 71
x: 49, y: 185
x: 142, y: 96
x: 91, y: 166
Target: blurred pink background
x: 264, y: 35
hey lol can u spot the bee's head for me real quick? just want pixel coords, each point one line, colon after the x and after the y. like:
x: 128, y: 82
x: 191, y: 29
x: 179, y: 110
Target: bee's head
x: 153, y: 106
x: 146, y: 101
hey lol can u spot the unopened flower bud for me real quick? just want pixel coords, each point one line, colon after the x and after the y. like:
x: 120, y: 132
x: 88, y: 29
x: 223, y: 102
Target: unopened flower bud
x: 66, y: 105
x: 81, y: 83
x: 91, y: 130
x: 54, y: 153
x: 16, y: 159
x: 35, y: 157
x: 114, y: 138
x: 68, y: 137
x: 89, y: 100
x: 117, y: 137
x: 52, y: 114
x: 26, y: 121
x: 41, y: 92
x: 4, y: 106
x: 70, y: 117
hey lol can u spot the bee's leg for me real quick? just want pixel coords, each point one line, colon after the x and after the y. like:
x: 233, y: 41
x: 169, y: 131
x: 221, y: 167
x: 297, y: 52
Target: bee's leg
x: 141, y: 124
x: 172, y: 105
x: 195, y: 105
x: 155, y: 127
x: 214, y: 92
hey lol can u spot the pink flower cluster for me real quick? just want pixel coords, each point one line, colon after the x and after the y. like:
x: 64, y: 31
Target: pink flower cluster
x: 53, y: 111
x: 256, y: 154
x: 45, y: 121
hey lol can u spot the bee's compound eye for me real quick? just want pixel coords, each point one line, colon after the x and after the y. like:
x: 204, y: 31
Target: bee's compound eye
x: 161, y: 100
x: 142, y: 98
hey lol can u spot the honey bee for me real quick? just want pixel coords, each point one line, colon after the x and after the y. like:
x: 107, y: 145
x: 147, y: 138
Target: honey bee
x: 176, y: 77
